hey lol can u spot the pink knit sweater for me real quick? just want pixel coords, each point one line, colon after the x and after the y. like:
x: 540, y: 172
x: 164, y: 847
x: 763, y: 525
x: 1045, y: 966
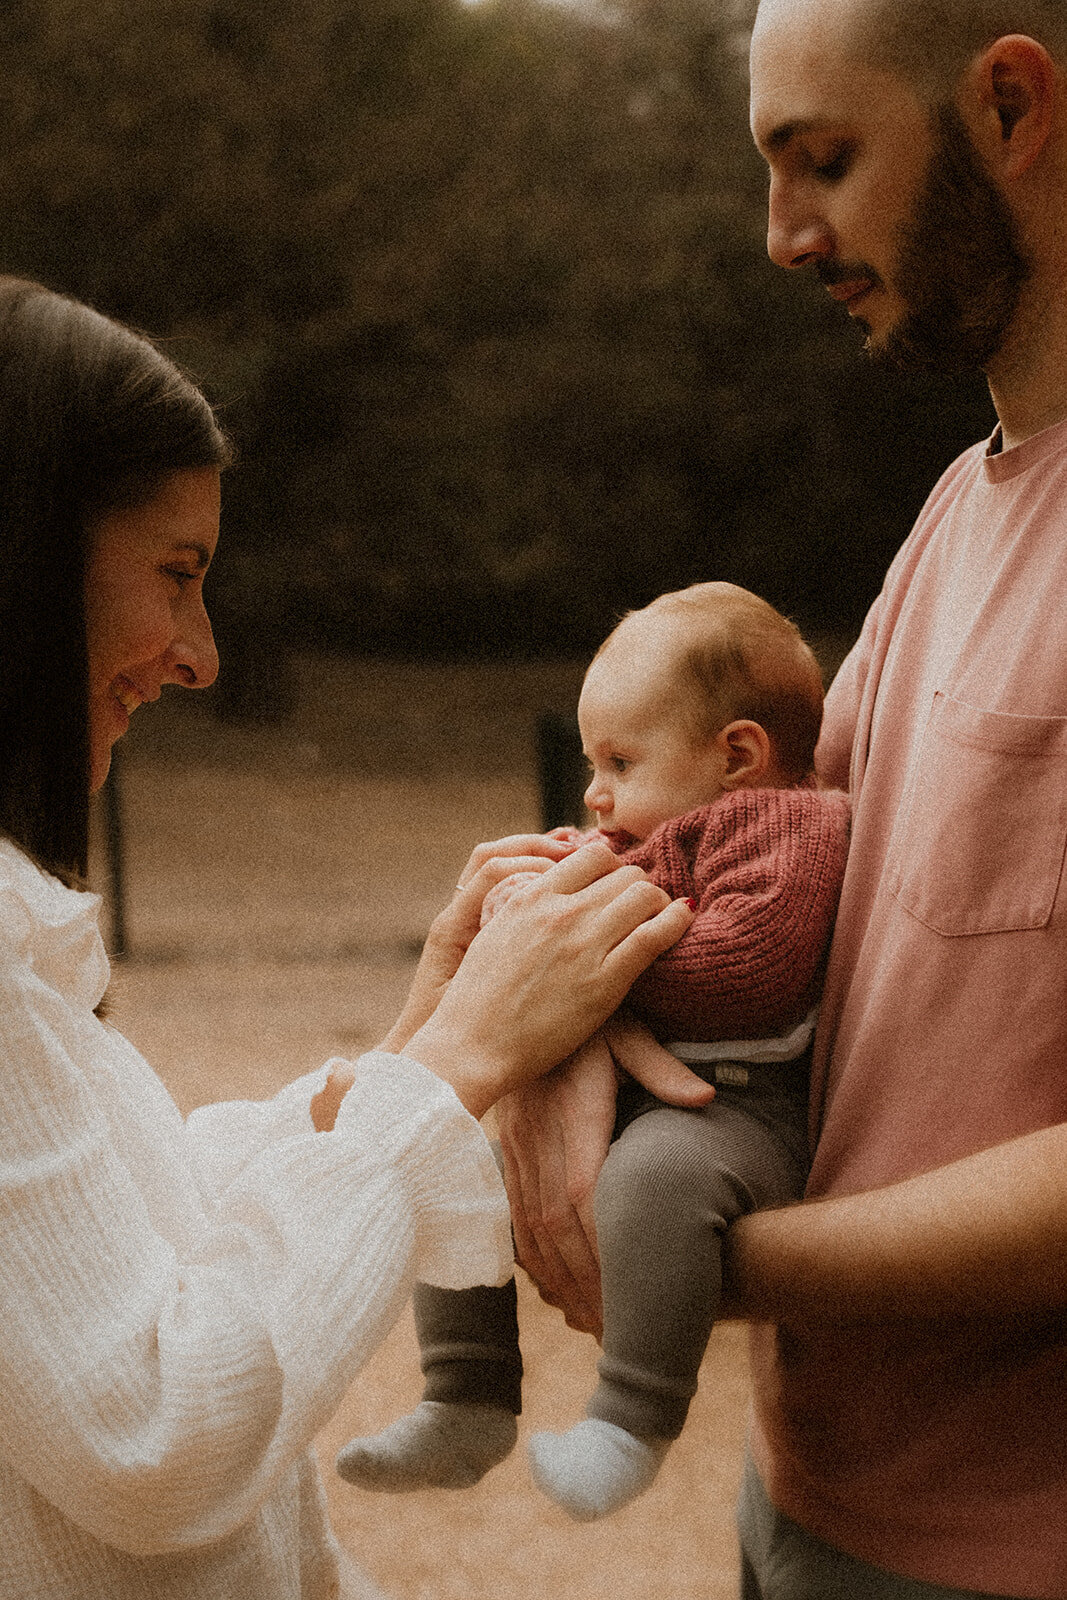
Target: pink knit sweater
x: 765, y: 867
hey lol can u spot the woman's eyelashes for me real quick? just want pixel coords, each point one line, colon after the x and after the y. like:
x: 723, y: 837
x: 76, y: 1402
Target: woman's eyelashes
x: 181, y: 576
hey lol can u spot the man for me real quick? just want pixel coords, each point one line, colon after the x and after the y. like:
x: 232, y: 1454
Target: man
x: 910, y: 1426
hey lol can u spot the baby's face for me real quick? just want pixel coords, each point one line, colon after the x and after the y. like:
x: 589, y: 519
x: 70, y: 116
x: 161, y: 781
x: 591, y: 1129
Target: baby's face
x: 646, y: 764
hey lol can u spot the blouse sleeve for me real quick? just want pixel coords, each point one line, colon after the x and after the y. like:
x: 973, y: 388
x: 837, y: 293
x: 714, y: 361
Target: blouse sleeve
x: 171, y: 1345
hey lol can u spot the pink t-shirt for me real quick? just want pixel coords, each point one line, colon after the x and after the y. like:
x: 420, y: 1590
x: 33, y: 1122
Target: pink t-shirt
x: 942, y: 1455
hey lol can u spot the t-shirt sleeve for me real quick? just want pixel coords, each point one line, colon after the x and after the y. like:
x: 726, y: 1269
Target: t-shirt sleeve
x: 833, y: 754
x: 171, y: 1347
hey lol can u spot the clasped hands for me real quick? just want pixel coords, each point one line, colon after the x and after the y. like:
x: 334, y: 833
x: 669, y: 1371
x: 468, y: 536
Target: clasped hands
x: 494, y: 1010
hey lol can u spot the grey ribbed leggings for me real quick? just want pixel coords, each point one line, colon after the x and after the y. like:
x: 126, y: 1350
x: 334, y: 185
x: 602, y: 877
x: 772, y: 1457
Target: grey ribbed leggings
x: 672, y: 1183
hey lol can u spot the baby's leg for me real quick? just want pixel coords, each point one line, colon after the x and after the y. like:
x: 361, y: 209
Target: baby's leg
x: 672, y: 1183
x: 465, y: 1422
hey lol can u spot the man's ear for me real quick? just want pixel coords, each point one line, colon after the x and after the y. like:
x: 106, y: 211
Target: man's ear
x: 1008, y: 98
x: 748, y: 752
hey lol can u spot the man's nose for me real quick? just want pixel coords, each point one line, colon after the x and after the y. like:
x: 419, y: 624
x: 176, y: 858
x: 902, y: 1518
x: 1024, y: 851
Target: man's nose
x: 797, y: 233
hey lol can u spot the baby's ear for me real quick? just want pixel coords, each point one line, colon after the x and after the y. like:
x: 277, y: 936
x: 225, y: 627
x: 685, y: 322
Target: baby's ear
x: 749, y: 755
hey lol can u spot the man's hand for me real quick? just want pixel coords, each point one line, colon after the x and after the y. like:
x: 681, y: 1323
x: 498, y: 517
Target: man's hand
x: 554, y: 1135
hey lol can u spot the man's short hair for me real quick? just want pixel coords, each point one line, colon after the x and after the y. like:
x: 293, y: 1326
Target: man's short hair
x: 929, y: 43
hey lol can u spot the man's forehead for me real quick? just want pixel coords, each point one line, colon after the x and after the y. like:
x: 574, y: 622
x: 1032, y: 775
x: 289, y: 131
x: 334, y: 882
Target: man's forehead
x: 806, y: 69
x: 843, y: 18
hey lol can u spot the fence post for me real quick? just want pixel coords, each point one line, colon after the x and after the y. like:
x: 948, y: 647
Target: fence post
x: 560, y: 771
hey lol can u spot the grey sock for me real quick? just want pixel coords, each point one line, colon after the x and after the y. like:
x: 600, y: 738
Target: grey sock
x: 438, y: 1446
x: 595, y: 1468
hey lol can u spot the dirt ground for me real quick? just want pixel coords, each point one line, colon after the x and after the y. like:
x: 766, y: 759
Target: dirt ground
x: 278, y: 883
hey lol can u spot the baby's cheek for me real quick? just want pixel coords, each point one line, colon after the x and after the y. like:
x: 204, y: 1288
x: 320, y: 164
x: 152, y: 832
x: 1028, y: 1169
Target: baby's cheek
x: 504, y: 891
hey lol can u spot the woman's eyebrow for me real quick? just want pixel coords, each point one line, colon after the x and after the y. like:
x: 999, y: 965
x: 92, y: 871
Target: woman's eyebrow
x: 200, y: 551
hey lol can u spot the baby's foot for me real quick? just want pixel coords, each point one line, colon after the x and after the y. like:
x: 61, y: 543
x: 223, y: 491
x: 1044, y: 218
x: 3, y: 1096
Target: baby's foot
x: 439, y: 1446
x: 595, y: 1468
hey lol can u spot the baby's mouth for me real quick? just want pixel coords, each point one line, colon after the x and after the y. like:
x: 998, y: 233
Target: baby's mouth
x: 127, y: 696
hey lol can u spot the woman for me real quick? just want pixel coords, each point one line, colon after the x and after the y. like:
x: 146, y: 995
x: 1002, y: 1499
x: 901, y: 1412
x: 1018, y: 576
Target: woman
x: 182, y: 1305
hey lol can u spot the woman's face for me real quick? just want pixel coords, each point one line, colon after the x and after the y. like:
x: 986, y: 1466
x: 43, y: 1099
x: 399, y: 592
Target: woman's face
x: 145, y: 617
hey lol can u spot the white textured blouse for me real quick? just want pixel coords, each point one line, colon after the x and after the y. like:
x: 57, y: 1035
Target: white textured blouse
x: 183, y: 1303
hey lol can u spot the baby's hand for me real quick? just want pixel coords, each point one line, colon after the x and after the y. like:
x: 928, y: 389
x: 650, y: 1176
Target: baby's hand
x: 568, y: 835
x: 509, y: 887
x: 504, y: 891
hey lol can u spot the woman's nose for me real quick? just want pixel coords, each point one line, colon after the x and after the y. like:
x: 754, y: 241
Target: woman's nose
x: 196, y: 660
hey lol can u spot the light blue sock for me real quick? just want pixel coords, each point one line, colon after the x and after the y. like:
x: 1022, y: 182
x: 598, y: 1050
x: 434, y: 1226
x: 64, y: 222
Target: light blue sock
x: 440, y: 1445
x: 595, y: 1468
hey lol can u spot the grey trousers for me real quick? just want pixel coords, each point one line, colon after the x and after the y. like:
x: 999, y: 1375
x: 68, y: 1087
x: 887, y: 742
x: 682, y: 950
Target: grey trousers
x: 672, y: 1183
x: 780, y: 1561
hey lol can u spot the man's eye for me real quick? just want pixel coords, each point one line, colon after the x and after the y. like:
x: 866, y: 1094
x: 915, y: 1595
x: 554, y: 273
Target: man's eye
x: 834, y: 170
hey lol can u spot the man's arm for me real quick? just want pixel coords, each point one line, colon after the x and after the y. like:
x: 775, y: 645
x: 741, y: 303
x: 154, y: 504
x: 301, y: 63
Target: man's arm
x: 983, y: 1237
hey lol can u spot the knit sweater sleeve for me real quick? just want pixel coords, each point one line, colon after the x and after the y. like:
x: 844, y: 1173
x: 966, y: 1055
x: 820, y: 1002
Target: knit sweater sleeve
x: 765, y: 867
x: 178, y: 1326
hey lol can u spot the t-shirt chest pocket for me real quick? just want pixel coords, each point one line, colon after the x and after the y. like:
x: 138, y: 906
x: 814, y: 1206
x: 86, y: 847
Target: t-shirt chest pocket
x: 979, y: 840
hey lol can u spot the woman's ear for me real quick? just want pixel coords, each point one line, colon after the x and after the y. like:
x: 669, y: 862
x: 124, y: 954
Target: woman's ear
x: 749, y: 756
x: 1010, y: 93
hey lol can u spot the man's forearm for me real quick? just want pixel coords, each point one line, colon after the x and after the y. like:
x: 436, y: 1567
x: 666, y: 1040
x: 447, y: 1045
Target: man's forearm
x: 983, y: 1237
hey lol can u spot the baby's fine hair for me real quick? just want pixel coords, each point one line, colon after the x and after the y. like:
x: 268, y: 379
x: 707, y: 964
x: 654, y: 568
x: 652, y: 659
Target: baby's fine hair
x: 739, y: 659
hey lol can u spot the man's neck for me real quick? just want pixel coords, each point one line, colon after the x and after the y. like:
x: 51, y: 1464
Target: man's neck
x: 1028, y: 380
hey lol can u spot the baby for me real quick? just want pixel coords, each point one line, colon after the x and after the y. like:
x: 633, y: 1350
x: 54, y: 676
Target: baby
x: 699, y: 717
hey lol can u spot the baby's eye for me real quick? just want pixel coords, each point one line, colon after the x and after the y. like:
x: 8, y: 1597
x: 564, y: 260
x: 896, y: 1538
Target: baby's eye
x: 619, y: 763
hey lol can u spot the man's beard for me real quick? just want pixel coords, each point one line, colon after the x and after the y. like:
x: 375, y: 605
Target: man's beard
x: 961, y: 267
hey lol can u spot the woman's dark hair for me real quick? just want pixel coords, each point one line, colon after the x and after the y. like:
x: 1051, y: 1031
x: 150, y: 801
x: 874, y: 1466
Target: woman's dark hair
x: 93, y: 419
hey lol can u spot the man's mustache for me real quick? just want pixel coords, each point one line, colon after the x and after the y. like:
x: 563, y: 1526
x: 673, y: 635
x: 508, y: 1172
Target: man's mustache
x: 831, y: 272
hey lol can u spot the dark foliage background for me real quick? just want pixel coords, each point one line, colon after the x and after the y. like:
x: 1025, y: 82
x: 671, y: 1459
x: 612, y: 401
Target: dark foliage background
x: 482, y: 292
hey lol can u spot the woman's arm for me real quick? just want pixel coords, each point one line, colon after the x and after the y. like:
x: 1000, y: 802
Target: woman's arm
x: 168, y: 1350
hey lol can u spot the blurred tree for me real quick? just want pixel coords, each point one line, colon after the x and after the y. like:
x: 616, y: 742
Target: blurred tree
x: 483, y: 292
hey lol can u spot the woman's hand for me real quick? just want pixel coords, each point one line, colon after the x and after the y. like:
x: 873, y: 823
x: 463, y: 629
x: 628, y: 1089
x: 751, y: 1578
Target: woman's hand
x: 545, y: 973
x: 453, y: 929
